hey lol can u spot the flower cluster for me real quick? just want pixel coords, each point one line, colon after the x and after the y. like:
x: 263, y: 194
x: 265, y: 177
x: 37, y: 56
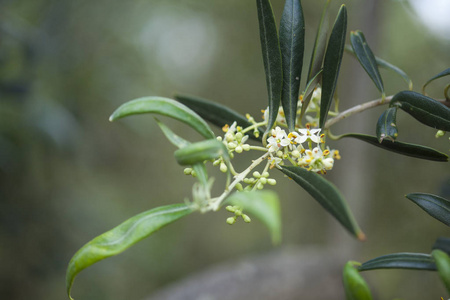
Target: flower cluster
x: 290, y: 146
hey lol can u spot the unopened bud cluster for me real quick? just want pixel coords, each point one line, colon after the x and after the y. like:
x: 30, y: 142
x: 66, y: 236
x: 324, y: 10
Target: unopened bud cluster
x: 237, y: 213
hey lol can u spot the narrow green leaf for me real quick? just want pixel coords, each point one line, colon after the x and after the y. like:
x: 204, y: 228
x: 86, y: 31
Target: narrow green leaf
x: 332, y: 63
x: 435, y: 206
x: 366, y: 58
x: 424, y: 109
x: 416, y: 261
x: 265, y: 206
x: 386, y: 65
x: 446, y: 95
x: 355, y: 286
x: 387, y: 125
x: 442, y: 261
x: 122, y: 237
x: 201, y: 151
x: 215, y: 113
x: 320, y: 43
x: 407, y: 149
x: 442, y: 243
x: 292, y: 44
x: 166, y: 107
x: 327, y: 195
x: 171, y: 136
x: 440, y: 75
x: 199, y: 168
x: 271, y: 56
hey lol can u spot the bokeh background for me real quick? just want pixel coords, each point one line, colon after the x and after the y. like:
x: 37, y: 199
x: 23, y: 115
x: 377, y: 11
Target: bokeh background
x: 67, y: 174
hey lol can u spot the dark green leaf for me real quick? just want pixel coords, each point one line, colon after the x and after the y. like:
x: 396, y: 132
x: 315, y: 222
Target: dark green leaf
x: 215, y: 113
x: 292, y: 44
x: 412, y: 150
x: 319, y: 44
x: 355, y: 286
x: 387, y: 125
x: 165, y: 107
x: 122, y: 237
x: 366, y: 58
x: 424, y: 109
x: 442, y: 243
x: 327, y: 195
x: 440, y: 75
x: 271, y: 56
x: 435, y: 206
x: 265, y: 206
x: 417, y: 261
x: 442, y: 261
x: 199, y: 168
x: 201, y: 151
x: 386, y: 65
x: 446, y: 95
x: 332, y: 63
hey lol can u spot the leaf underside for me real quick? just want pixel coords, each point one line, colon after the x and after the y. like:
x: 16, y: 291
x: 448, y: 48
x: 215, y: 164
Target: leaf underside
x: 415, y: 261
x: 435, y: 206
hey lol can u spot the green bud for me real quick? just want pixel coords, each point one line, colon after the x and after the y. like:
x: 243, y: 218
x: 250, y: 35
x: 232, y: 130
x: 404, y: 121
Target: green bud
x: 231, y: 220
x: 246, y: 218
x: 246, y: 180
x: 246, y: 147
x: 217, y: 162
x: 230, y: 208
x: 356, y: 287
x: 265, y: 174
x: 239, y: 187
x: 187, y: 171
x: 239, y: 136
x: 440, y: 133
x: 256, y: 133
x: 193, y: 173
x: 260, y: 186
x: 256, y: 174
x: 271, y: 181
x: 219, y: 138
x: 263, y: 180
x: 232, y: 145
x: 239, y: 149
x: 442, y: 261
x: 223, y: 167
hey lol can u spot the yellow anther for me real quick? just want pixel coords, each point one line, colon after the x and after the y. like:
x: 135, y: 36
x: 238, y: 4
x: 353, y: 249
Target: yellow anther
x: 263, y: 110
x: 326, y: 152
x: 247, y: 116
x: 239, y: 128
x: 225, y: 128
x: 290, y: 135
x: 322, y: 135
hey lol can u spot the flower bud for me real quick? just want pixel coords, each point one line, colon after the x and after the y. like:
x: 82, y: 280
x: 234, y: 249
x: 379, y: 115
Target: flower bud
x: 246, y: 147
x: 246, y: 218
x: 263, y: 180
x: 256, y: 174
x: 239, y: 187
x: 265, y: 174
x: 231, y: 220
x: 271, y: 181
x: 223, y: 167
x: 187, y: 171
x: 238, y: 149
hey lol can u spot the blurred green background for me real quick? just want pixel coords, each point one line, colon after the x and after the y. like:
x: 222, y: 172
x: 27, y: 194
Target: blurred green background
x: 68, y: 174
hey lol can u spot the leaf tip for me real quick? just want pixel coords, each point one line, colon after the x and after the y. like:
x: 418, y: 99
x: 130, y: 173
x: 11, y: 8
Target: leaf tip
x: 361, y: 236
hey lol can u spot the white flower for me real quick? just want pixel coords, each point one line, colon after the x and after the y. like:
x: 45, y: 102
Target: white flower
x: 280, y: 116
x: 274, y: 161
x: 306, y: 133
x: 278, y: 139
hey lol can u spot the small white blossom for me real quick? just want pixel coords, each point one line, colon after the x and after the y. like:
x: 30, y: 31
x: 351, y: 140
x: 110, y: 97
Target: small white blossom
x: 278, y: 140
x: 305, y: 134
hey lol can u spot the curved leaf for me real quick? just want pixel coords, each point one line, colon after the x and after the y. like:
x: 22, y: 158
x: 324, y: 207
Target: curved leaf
x: 166, y: 107
x: 332, y: 63
x: 440, y: 75
x: 308, y: 92
x: 442, y: 261
x: 292, y: 44
x: 201, y: 151
x: 407, y: 149
x: 355, y: 286
x: 416, y: 261
x: 424, y: 109
x: 215, y: 113
x: 327, y: 195
x: 265, y: 206
x: 199, y: 168
x: 386, y: 65
x: 122, y: 237
x: 271, y: 56
x: 366, y: 58
x: 387, y: 125
x: 435, y: 206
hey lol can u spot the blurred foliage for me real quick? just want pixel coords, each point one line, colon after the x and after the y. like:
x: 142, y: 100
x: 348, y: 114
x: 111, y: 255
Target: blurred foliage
x: 67, y: 174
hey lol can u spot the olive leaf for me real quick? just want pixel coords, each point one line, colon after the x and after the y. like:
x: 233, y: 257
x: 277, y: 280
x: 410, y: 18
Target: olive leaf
x: 387, y: 125
x: 424, y: 109
x: 413, y: 150
x: 435, y: 206
x: 332, y: 63
x: 292, y: 44
x: 405, y: 260
x: 200, y: 152
x: 166, y: 107
x: 327, y: 195
x: 122, y: 237
x: 366, y: 58
x: 271, y: 53
x: 440, y: 75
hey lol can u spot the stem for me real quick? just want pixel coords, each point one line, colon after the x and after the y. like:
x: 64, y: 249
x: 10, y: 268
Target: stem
x: 357, y: 109
x: 215, y: 205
